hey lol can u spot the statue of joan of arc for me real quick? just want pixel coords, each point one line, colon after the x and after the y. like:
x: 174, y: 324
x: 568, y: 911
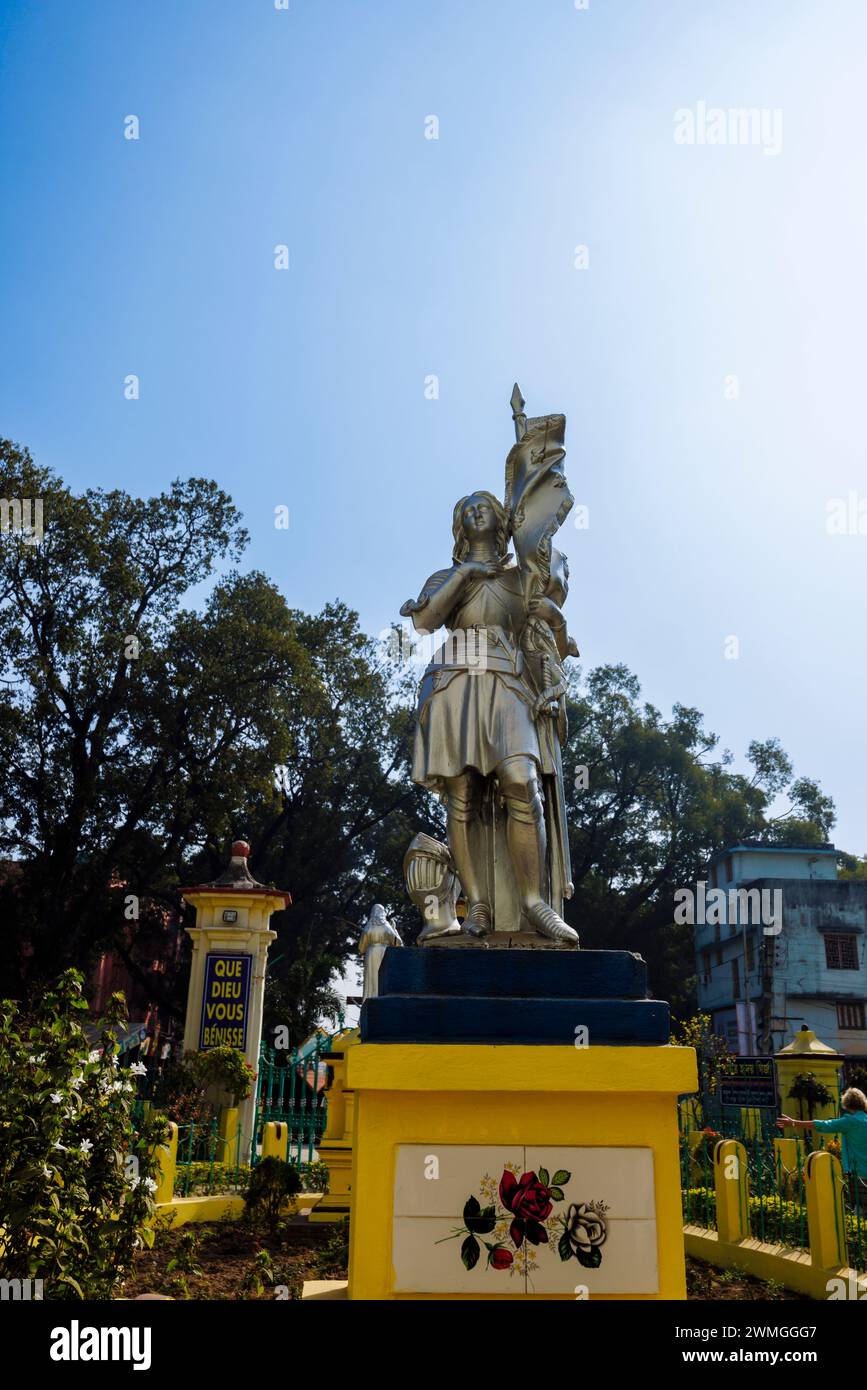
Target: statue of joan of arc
x: 491, y: 709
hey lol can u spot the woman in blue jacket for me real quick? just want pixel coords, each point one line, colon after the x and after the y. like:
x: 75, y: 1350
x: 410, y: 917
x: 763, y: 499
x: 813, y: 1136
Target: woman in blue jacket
x: 852, y: 1128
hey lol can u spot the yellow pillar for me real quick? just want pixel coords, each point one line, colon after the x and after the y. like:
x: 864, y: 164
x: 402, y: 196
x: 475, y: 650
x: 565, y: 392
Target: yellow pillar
x: 732, y: 1184
x: 232, y: 920
x: 335, y: 1149
x: 788, y: 1158
x: 229, y: 1136
x: 275, y: 1140
x: 167, y: 1159
x: 463, y: 1113
x: 824, y: 1187
x: 806, y: 1053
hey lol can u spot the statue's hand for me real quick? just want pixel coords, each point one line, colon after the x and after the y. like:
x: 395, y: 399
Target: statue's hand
x: 547, y: 610
x: 479, y: 569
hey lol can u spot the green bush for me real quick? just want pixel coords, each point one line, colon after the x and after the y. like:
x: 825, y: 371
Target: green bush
x: 181, y: 1089
x: 76, y: 1181
x: 272, y: 1184
x: 315, y: 1177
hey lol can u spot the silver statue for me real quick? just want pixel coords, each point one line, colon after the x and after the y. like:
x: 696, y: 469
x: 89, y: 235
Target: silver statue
x: 376, y: 936
x: 433, y: 885
x: 491, y: 712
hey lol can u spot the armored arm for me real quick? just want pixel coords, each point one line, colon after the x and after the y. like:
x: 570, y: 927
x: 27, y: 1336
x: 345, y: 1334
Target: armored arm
x: 441, y: 594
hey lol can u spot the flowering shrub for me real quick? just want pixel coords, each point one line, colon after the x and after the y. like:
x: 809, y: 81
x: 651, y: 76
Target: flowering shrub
x: 76, y: 1182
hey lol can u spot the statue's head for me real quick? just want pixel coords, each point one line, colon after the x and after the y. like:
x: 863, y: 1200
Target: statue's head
x: 477, y: 516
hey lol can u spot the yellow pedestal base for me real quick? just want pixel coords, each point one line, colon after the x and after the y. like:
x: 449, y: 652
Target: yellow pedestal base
x: 336, y: 1203
x: 437, y: 1125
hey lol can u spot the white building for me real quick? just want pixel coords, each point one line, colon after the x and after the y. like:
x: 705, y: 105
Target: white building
x: 790, y: 953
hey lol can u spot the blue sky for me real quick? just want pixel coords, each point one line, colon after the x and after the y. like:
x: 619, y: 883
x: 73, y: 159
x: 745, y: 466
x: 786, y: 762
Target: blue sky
x: 411, y: 257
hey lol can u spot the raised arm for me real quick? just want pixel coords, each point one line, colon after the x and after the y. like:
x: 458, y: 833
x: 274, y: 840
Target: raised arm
x: 442, y: 592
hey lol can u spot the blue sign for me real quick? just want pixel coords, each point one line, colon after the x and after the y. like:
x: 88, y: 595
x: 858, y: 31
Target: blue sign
x: 225, y: 1001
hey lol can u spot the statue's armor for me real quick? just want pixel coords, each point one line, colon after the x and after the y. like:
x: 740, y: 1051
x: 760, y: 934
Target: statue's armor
x: 475, y: 701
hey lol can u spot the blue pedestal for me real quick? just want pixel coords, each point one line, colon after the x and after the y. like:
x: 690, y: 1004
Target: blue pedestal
x: 540, y: 997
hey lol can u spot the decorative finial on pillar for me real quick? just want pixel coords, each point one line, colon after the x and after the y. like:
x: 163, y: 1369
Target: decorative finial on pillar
x: 236, y: 872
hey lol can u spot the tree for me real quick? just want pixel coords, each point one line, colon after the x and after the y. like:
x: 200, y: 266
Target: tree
x: 647, y: 805
x: 132, y: 730
x: 140, y: 736
x: 808, y: 1090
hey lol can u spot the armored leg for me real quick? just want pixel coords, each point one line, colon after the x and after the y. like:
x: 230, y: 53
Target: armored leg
x: 463, y: 807
x: 527, y: 842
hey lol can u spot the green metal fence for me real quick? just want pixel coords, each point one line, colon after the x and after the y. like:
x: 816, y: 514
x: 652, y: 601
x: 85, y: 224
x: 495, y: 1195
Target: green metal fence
x: 777, y: 1204
x: 292, y: 1090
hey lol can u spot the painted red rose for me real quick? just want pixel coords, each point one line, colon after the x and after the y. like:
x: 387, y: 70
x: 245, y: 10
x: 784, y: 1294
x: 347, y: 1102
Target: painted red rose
x: 529, y: 1201
x: 501, y: 1258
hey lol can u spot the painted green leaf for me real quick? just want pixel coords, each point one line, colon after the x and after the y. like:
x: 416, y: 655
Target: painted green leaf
x: 480, y: 1222
x: 591, y: 1259
x: 542, y: 1175
x: 484, y: 1224
x: 470, y: 1252
x: 564, y: 1248
x: 560, y: 1177
x: 557, y: 1194
x: 471, y: 1209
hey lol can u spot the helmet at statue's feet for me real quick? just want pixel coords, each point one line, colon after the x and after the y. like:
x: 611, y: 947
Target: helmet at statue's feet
x: 479, y: 920
x: 550, y: 925
x: 431, y: 929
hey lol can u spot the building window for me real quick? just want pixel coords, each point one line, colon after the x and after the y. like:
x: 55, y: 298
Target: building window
x: 706, y: 968
x: 841, y: 952
x: 736, y: 978
x: 751, y: 956
x: 850, y: 1016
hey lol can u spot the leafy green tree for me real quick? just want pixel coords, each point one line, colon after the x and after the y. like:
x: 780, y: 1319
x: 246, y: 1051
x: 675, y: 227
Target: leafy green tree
x: 140, y: 736
x: 648, y: 803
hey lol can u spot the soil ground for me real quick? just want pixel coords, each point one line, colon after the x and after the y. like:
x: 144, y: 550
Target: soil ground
x: 225, y: 1261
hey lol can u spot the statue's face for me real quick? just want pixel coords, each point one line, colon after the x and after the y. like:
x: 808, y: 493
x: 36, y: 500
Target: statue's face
x: 477, y: 517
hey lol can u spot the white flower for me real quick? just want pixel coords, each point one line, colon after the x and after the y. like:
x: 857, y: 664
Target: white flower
x: 77, y: 1080
x: 86, y: 1146
x: 94, y: 1056
x: 57, y: 1145
x: 46, y: 1171
x: 117, y: 1086
x: 56, y: 1097
x: 150, y: 1184
x: 114, y: 1060
x: 138, y: 1069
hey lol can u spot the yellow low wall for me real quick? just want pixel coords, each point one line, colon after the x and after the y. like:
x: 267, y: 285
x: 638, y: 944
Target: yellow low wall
x: 820, y: 1272
x: 223, y: 1206
x: 794, y: 1269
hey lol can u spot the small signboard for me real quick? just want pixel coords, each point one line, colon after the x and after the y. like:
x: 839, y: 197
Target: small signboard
x: 225, y: 1001
x: 752, y: 1083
